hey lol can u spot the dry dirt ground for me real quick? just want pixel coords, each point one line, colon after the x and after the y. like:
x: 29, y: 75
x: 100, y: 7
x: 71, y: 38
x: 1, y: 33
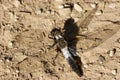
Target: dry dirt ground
x: 24, y: 42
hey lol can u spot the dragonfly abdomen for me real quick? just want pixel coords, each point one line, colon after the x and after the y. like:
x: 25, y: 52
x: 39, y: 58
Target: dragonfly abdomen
x: 71, y: 61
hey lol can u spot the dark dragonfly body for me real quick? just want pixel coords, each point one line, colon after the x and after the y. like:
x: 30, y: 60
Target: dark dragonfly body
x: 68, y: 53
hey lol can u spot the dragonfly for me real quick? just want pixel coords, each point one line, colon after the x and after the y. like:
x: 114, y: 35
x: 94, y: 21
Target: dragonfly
x: 72, y: 31
x: 68, y: 52
x: 67, y: 39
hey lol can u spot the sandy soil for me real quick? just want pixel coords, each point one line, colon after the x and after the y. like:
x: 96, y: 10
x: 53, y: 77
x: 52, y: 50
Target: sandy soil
x: 24, y: 42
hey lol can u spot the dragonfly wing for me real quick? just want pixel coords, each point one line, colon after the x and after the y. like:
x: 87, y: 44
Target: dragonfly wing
x: 75, y: 67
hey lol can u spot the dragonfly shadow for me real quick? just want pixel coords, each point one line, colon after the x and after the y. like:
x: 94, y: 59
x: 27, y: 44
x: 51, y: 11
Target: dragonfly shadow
x: 71, y: 30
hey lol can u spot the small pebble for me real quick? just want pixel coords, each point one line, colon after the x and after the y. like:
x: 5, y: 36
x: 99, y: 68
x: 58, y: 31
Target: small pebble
x: 48, y: 12
x: 85, y: 65
x: 112, y: 5
x: 98, y: 13
x: 7, y: 60
x: 60, y: 6
x: 17, y: 71
x: 16, y: 3
x: 10, y: 45
x: 114, y: 72
x: 38, y: 12
x: 101, y: 59
x: 1, y: 60
x: 78, y: 7
x: 112, y: 52
x: 93, y: 5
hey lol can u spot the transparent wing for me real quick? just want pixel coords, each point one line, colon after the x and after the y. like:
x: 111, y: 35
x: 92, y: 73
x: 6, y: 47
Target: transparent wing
x: 95, y: 31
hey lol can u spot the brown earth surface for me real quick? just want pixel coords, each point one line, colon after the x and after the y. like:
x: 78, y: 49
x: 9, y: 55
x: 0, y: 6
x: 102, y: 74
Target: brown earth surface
x: 24, y: 42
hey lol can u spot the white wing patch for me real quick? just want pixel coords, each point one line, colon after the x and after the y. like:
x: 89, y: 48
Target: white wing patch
x: 66, y: 52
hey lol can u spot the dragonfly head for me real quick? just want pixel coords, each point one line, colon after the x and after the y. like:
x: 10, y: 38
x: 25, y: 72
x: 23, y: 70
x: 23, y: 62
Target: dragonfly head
x: 56, y: 32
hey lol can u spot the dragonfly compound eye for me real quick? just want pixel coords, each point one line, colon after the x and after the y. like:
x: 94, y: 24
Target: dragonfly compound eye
x: 55, y: 32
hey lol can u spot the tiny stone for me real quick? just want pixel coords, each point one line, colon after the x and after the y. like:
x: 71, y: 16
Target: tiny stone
x: 101, y: 59
x: 38, y: 12
x: 16, y: 3
x: 93, y: 5
x: 1, y: 60
x: 114, y: 72
x: 17, y: 71
x: 112, y: 52
x: 52, y: 12
x: 48, y: 12
x: 7, y: 60
x: 78, y: 7
x: 99, y: 12
x: 10, y: 45
x: 112, y: 5
x: 61, y: 6
x: 85, y: 65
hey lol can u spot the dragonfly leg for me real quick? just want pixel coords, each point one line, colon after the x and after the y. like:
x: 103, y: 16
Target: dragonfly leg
x: 55, y: 58
x: 49, y: 36
x: 51, y: 46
